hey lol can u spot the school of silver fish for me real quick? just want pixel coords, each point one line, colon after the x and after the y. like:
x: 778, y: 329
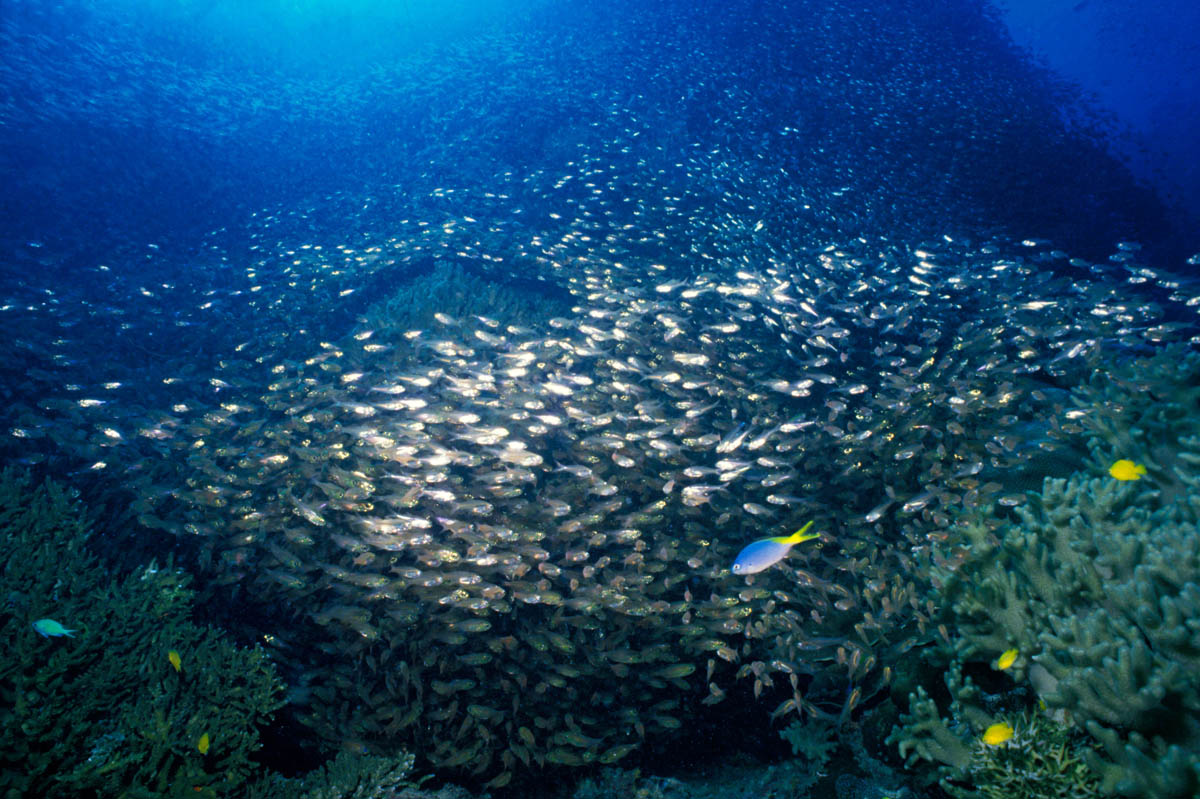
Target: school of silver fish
x: 503, y: 497
x: 493, y: 517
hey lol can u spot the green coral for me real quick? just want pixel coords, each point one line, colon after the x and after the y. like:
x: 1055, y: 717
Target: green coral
x: 925, y: 735
x: 105, y: 712
x: 629, y: 783
x: 1043, y: 759
x: 813, y: 740
x: 816, y: 770
x: 788, y: 780
x: 1097, y: 585
x: 348, y: 776
x: 1144, y: 411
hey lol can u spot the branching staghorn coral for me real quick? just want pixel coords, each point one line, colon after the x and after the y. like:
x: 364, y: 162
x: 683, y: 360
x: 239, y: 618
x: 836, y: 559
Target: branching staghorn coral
x: 108, y: 709
x: 1097, y: 586
x: 347, y: 776
x: 1042, y: 759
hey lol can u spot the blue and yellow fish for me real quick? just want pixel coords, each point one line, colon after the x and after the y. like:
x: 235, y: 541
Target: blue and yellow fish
x: 766, y: 552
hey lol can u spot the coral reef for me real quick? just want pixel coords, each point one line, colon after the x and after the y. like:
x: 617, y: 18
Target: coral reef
x: 1043, y: 759
x: 105, y: 711
x: 829, y: 760
x: 813, y: 742
x: 348, y: 776
x: 1096, y: 584
x: 137, y: 700
x: 627, y: 783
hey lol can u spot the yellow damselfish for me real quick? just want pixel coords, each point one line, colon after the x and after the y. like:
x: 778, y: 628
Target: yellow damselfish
x: 173, y: 656
x: 1127, y: 470
x: 1006, y: 659
x: 203, y: 743
x: 997, y: 734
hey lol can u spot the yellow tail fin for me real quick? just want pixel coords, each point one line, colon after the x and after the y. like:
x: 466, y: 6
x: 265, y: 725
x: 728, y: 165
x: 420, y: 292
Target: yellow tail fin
x: 799, y: 536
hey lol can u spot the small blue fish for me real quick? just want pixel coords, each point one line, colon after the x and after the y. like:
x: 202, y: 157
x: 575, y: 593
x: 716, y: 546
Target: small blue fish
x: 49, y: 628
x: 767, y: 552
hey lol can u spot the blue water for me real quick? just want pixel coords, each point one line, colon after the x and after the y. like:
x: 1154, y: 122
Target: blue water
x: 1139, y: 63
x: 457, y: 348
x: 139, y: 120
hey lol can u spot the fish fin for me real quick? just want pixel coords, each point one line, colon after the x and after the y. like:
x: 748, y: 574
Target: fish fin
x: 799, y: 536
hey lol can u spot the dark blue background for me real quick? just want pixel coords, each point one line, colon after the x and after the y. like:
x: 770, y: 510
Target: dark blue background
x: 125, y: 123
